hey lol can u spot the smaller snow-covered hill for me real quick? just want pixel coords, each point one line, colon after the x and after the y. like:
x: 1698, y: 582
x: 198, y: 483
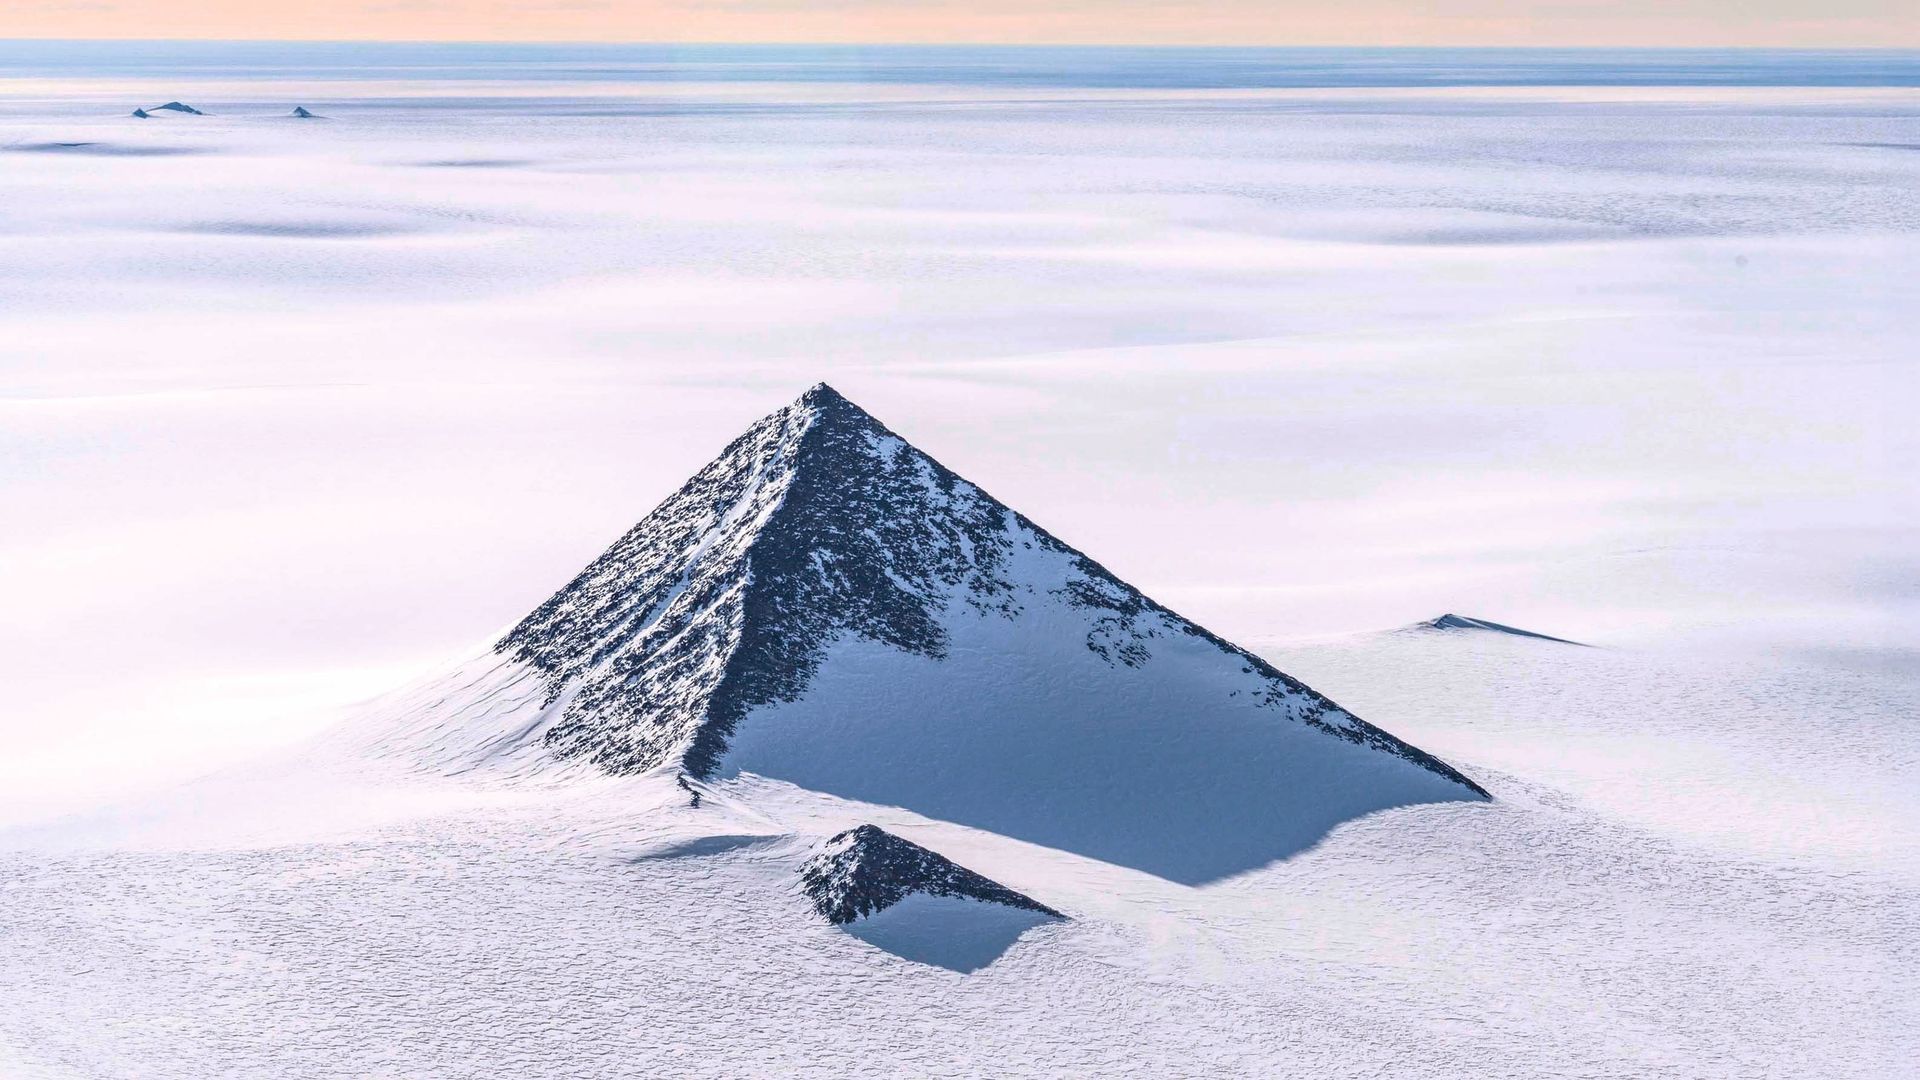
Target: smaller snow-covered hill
x: 1451, y: 621
x: 174, y: 108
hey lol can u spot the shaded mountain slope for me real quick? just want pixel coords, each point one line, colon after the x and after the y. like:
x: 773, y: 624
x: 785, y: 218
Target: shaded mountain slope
x: 818, y: 523
x: 826, y: 606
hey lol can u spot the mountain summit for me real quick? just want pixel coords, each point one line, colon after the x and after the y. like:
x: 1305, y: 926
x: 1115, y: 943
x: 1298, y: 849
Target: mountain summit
x: 819, y: 523
x: 826, y: 606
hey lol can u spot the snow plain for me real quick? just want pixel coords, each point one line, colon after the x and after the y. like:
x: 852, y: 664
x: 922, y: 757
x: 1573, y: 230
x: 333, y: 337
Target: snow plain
x: 291, y: 411
x: 572, y: 924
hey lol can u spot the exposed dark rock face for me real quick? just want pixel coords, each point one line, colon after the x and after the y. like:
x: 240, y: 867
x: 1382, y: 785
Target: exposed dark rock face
x: 818, y: 522
x: 867, y: 870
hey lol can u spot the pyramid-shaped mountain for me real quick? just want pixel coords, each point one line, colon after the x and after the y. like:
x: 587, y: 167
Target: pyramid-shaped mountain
x: 827, y: 606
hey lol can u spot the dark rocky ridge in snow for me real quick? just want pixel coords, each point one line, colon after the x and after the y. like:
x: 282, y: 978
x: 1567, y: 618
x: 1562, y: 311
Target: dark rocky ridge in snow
x: 866, y: 870
x: 820, y: 523
x: 1451, y: 621
x: 171, y: 106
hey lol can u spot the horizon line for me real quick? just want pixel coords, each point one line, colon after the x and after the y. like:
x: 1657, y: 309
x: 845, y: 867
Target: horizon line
x: 910, y: 44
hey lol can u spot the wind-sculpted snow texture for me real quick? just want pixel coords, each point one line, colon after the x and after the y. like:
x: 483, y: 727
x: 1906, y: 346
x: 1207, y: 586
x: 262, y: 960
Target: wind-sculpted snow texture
x: 1635, y: 910
x: 816, y: 526
x: 867, y: 870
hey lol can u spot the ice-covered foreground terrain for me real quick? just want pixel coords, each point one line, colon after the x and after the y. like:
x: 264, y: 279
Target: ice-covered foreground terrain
x: 1692, y: 869
x: 292, y: 411
x: 1105, y: 839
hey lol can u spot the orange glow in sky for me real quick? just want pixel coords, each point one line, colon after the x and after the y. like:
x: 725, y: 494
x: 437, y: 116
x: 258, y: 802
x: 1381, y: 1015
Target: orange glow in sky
x: 1838, y: 23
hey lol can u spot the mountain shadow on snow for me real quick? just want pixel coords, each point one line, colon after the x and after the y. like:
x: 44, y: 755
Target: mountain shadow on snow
x: 1451, y: 621
x: 101, y: 149
x: 915, y: 903
x: 826, y: 605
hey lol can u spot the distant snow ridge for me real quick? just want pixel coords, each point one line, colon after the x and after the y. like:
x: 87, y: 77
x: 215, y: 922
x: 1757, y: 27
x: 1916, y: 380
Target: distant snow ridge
x: 171, y: 106
x: 866, y: 870
x: 1451, y: 621
x: 817, y: 526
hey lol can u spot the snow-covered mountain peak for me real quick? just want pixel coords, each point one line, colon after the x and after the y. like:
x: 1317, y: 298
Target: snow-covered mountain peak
x: 817, y: 521
x: 821, y: 393
x: 826, y: 605
x: 816, y: 524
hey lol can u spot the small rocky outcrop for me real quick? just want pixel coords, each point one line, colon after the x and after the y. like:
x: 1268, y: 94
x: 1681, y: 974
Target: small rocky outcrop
x: 866, y: 870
